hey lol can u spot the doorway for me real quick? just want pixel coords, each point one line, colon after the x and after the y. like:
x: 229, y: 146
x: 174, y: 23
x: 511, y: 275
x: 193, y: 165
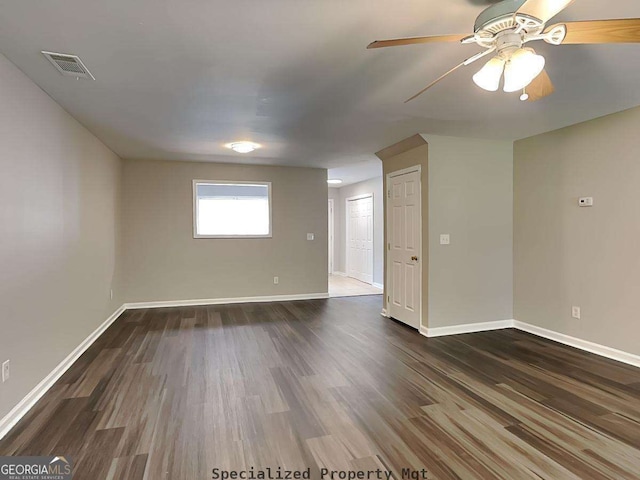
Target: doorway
x: 331, y: 235
x: 404, y: 246
x: 359, y: 251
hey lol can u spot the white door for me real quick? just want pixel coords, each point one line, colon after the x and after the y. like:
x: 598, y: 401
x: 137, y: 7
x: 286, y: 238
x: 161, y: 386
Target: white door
x: 404, y: 232
x: 360, y: 238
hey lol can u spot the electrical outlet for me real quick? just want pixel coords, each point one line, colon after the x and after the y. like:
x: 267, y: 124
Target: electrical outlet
x: 6, y: 371
x: 276, y: 280
x: 310, y: 236
x: 575, y: 312
x: 445, y: 239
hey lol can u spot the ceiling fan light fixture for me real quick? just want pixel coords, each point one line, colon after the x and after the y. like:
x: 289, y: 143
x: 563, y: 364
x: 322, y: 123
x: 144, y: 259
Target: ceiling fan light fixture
x: 521, y: 69
x: 488, y: 78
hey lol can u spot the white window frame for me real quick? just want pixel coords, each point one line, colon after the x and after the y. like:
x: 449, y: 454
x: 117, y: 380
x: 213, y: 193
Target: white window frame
x: 228, y: 182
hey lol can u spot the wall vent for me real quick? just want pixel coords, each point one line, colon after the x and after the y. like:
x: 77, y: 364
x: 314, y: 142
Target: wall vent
x: 69, y: 65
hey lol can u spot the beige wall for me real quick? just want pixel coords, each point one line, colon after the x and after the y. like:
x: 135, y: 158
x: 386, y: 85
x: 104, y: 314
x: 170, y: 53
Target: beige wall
x: 394, y: 159
x: 467, y: 192
x: 58, y: 211
x: 163, y: 262
x: 587, y: 257
x: 374, y: 186
x: 470, y: 198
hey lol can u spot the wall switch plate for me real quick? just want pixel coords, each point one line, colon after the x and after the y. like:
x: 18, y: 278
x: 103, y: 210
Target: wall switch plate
x: 276, y: 280
x: 445, y: 239
x: 6, y: 371
x: 310, y: 236
x: 575, y: 312
x: 585, y: 202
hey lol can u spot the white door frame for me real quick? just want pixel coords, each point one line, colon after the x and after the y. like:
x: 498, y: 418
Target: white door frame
x: 346, y: 221
x: 387, y: 275
x: 331, y: 234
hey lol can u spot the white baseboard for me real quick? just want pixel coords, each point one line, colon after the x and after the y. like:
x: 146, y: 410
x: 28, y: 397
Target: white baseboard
x: 602, y: 350
x: 580, y: 344
x: 378, y: 285
x: 466, y: 328
x: 339, y: 274
x: 9, y: 421
x: 20, y: 410
x: 226, y: 301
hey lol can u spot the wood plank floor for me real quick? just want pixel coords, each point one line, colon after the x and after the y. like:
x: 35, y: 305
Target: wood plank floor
x: 174, y: 393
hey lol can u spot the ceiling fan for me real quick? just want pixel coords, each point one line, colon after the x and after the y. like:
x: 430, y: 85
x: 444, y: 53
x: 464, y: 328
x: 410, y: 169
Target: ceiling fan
x: 503, y: 30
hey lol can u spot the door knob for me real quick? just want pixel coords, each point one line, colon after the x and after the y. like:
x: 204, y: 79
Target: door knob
x: 414, y: 258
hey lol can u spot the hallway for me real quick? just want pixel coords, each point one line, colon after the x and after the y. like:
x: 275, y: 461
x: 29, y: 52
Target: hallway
x: 340, y: 286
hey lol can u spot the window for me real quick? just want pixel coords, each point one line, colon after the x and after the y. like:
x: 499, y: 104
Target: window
x: 231, y: 209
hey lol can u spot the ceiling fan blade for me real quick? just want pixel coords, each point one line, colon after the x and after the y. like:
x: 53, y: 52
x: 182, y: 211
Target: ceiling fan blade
x: 543, y: 10
x: 397, y: 42
x: 435, y: 81
x: 540, y: 87
x: 602, y: 31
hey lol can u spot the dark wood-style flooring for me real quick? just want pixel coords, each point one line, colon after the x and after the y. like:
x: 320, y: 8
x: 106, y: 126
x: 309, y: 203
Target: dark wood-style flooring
x: 174, y: 393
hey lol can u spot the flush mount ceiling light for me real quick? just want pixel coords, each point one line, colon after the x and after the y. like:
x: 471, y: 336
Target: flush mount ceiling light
x: 502, y: 30
x: 242, y: 147
x: 334, y: 181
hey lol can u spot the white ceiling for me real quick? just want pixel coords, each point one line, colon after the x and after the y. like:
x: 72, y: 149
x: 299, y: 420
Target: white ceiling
x: 177, y: 79
x: 356, y: 172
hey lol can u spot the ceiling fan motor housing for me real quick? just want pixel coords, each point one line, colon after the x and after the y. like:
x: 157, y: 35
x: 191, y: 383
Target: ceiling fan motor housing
x: 500, y: 17
x: 508, y: 43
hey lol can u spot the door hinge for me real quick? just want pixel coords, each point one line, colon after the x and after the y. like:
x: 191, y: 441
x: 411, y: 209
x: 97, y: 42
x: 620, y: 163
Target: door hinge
x: 388, y: 300
x: 388, y: 246
x: 388, y: 193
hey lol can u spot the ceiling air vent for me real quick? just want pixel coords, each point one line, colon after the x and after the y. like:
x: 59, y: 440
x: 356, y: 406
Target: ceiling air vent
x: 69, y: 65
